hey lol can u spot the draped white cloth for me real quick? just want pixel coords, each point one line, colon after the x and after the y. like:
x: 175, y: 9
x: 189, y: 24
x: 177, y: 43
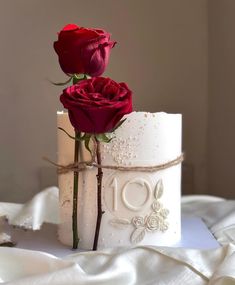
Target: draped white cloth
x: 136, y: 265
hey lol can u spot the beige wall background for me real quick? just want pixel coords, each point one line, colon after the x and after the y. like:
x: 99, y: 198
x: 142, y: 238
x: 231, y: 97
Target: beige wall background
x: 162, y: 54
x: 221, y: 136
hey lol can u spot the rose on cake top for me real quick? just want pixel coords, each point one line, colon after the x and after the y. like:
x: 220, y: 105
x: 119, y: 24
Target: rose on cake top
x: 83, y: 50
x: 97, y: 105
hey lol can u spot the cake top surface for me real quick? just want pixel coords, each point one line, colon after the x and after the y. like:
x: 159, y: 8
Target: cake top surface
x: 137, y: 112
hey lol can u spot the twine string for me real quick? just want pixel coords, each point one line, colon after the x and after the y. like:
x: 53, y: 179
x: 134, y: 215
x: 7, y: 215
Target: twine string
x: 84, y: 165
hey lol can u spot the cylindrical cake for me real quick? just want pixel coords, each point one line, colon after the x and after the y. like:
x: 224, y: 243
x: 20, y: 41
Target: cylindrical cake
x: 140, y: 207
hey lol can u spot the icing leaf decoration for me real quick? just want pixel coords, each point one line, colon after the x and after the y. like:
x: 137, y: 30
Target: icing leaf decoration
x: 158, y: 189
x: 138, y: 235
x: 119, y: 223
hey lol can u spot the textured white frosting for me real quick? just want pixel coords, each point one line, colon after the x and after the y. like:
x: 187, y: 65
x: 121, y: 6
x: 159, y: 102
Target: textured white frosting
x: 139, y: 206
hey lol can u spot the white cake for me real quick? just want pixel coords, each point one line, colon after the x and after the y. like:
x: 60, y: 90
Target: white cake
x: 141, y: 207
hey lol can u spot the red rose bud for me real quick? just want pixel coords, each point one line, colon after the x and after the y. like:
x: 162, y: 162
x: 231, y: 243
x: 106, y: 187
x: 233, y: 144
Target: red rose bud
x: 82, y: 50
x: 97, y: 105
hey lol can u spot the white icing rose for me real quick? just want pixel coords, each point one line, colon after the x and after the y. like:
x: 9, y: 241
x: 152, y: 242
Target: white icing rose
x: 156, y: 206
x: 164, y: 226
x: 164, y: 213
x: 138, y: 221
x: 152, y: 222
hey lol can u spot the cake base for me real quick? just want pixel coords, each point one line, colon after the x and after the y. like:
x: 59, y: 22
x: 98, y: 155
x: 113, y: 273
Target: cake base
x: 195, y: 234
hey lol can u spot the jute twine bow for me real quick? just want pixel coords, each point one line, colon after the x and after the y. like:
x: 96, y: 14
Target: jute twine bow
x: 84, y: 165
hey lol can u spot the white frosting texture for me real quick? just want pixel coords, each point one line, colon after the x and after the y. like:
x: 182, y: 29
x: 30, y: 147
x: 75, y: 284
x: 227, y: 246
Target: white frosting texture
x: 140, y: 207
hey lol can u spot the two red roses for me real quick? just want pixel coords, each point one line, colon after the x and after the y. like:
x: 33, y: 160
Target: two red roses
x: 95, y: 105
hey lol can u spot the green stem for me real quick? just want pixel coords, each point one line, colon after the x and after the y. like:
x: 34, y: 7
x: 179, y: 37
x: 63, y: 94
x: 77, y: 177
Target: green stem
x: 99, y: 196
x: 75, y: 193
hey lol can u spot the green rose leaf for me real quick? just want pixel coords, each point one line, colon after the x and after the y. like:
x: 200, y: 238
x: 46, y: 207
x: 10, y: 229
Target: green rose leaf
x: 79, y: 77
x: 103, y: 138
x: 118, y: 125
x: 62, y: 83
x: 86, y: 138
x: 77, y: 138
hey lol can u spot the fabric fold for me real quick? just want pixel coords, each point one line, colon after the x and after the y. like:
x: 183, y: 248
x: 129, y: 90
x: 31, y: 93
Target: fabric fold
x: 138, y: 265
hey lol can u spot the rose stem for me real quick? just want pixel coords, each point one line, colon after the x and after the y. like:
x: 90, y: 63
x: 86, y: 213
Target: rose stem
x: 99, y: 195
x: 75, y: 193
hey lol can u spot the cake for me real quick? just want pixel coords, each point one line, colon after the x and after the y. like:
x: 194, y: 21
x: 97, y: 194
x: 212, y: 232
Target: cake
x: 141, y: 206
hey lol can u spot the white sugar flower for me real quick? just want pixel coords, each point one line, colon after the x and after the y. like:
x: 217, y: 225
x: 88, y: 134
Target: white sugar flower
x: 156, y: 206
x: 152, y: 222
x: 138, y: 221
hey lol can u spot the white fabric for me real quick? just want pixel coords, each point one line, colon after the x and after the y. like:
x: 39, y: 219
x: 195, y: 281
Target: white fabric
x: 43, y: 208
x: 217, y: 213
x: 138, y: 265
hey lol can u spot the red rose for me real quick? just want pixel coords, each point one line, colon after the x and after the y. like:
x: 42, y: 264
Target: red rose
x: 96, y: 105
x: 83, y: 50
